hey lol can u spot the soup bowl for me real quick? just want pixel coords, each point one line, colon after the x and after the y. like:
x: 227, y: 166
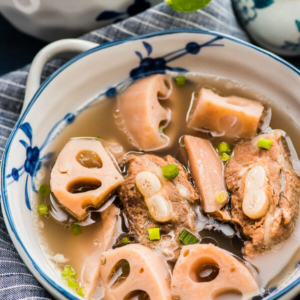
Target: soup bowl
x: 103, y: 70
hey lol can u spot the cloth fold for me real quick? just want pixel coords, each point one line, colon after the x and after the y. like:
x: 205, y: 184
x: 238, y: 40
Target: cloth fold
x: 16, y: 282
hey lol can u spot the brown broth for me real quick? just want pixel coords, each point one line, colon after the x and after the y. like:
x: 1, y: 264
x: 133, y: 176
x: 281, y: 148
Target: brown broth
x: 101, y: 121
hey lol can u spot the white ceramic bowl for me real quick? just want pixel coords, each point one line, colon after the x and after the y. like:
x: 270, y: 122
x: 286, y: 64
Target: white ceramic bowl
x: 273, y: 24
x: 62, y: 96
x: 56, y: 19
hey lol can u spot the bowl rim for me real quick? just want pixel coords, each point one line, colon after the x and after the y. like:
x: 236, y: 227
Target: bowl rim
x: 17, y: 241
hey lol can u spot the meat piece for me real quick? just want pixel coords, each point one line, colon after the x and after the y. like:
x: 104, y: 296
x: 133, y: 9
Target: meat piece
x: 84, y: 175
x: 230, y: 274
x: 270, y: 173
x: 142, y: 113
x: 148, y: 273
x: 207, y: 171
x: 92, y: 266
x: 234, y: 116
x: 179, y: 193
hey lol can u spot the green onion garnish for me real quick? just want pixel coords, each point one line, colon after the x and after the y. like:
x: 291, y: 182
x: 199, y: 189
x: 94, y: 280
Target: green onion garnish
x: 76, y: 228
x: 187, y: 238
x: 80, y: 292
x: 264, y: 143
x: 170, y: 171
x: 225, y: 157
x: 68, y: 272
x: 180, y: 80
x: 72, y: 283
x: 154, y: 234
x: 97, y: 138
x: 44, y: 190
x: 224, y: 148
x: 125, y: 241
x: 43, y: 209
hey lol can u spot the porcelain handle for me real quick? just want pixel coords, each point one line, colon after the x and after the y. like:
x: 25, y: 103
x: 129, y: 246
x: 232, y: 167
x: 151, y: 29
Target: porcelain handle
x: 47, y: 53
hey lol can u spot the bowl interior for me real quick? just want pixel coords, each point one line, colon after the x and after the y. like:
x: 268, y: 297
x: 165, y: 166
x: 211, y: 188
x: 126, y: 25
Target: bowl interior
x: 106, y: 69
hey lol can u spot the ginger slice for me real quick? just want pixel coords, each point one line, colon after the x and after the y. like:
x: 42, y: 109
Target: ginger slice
x: 77, y: 186
x: 232, y: 116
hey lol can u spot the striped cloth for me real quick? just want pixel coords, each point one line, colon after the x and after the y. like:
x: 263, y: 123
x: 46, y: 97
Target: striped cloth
x: 16, y: 282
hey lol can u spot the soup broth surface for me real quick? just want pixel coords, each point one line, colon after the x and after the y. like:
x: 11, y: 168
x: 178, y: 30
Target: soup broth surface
x: 103, y: 121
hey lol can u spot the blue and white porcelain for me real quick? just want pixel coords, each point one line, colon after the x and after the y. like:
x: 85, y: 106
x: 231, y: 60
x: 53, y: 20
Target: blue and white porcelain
x: 273, y: 24
x: 56, y: 19
x: 100, y: 73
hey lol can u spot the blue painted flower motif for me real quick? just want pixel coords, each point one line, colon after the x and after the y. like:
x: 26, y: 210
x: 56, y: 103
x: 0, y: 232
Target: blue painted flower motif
x: 136, y: 7
x: 298, y: 24
x: 247, y: 9
x: 153, y: 65
x: 15, y: 174
x: 292, y: 46
x: 34, y: 161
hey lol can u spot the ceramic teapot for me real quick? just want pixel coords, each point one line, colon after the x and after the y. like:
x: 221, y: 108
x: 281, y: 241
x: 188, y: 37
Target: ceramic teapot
x: 57, y: 19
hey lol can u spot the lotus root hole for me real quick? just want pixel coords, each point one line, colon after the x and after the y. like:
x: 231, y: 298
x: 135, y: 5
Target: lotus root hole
x: 137, y: 295
x: 204, y: 269
x: 83, y: 185
x: 89, y: 159
x: 229, y: 295
x: 167, y: 83
x: 118, y: 274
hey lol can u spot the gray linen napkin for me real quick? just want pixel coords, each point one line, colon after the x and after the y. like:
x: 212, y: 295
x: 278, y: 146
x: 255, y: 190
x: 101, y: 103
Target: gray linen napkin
x: 16, y: 282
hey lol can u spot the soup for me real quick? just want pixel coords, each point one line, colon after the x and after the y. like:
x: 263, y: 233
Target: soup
x: 160, y: 205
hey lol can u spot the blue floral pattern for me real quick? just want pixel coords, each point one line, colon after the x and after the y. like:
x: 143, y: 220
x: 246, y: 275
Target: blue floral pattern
x: 293, y: 46
x: 247, y: 9
x: 148, y: 65
x: 298, y: 24
x: 33, y: 161
x: 136, y: 7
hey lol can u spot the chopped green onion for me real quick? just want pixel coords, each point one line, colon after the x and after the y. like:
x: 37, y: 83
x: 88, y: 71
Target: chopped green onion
x: 180, y: 80
x: 225, y: 157
x: 72, y: 283
x: 44, y: 190
x: 170, y: 171
x: 187, y: 238
x: 43, y: 209
x: 154, y: 234
x: 97, y: 138
x: 264, y: 143
x: 80, y: 292
x: 68, y: 272
x: 224, y: 148
x: 222, y: 198
x: 124, y: 242
x: 76, y: 228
